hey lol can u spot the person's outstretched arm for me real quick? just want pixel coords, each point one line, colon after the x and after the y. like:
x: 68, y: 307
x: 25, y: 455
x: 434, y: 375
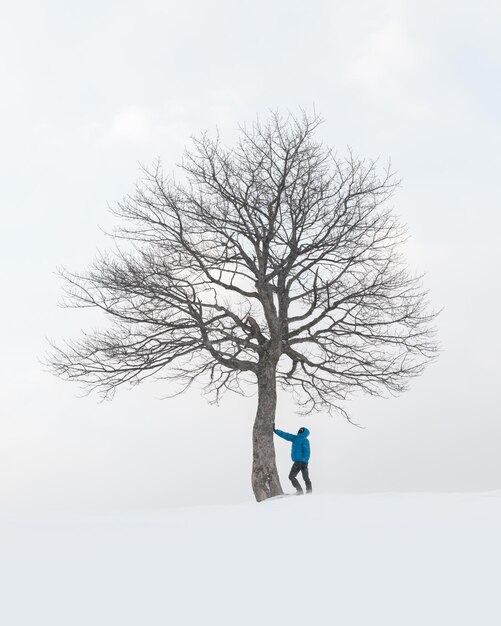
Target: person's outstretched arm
x: 284, y: 435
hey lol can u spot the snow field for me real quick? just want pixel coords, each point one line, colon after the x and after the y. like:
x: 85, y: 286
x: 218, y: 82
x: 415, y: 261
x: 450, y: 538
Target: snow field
x: 389, y: 559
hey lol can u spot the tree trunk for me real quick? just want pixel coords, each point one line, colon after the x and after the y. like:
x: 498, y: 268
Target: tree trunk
x: 265, y: 481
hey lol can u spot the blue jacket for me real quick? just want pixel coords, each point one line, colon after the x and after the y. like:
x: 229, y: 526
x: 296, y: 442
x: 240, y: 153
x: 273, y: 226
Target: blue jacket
x: 300, y: 452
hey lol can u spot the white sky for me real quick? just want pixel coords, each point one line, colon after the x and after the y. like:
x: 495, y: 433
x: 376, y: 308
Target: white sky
x: 89, y: 90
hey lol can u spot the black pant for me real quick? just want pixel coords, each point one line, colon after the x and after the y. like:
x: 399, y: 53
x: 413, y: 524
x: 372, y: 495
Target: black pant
x: 297, y: 467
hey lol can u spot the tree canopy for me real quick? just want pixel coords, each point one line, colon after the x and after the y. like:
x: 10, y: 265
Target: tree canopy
x: 274, y: 249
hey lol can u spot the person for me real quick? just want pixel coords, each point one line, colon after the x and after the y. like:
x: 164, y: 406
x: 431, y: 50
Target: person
x: 300, y: 454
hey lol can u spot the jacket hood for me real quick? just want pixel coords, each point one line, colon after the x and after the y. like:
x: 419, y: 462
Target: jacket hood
x: 305, y: 433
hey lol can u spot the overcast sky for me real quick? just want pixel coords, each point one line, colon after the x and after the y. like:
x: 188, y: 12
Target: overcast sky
x: 90, y: 90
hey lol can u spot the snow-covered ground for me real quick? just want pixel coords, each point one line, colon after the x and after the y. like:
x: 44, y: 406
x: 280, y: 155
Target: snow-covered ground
x: 389, y: 559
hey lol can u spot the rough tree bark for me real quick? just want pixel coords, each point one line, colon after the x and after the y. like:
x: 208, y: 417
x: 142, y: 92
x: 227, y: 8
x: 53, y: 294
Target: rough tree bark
x: 265, y: 480
x: 274, y: 262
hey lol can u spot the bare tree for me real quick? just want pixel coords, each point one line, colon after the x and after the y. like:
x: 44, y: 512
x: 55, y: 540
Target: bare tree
x: 274, y: 262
